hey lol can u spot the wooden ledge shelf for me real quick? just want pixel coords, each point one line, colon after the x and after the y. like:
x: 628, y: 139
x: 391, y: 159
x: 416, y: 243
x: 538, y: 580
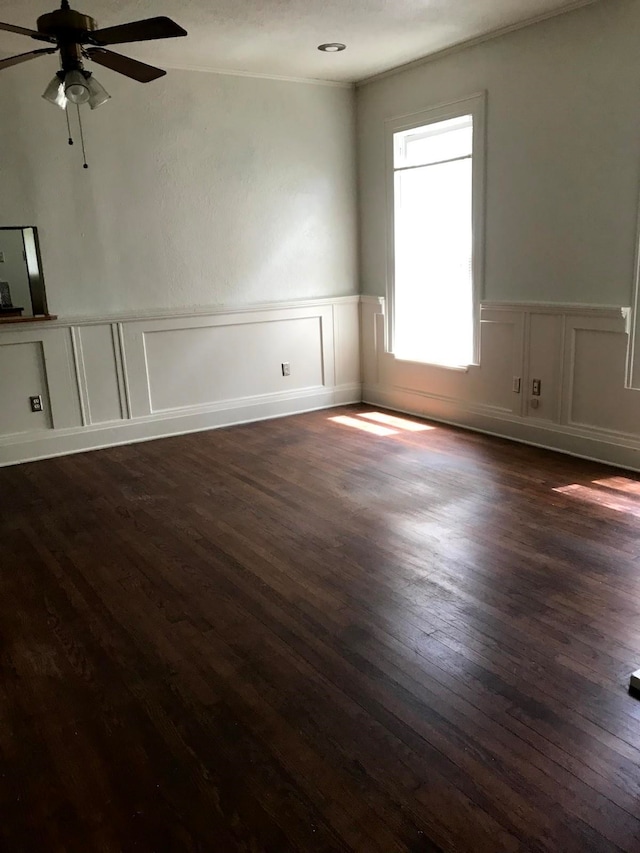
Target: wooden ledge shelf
x: 40, y: 318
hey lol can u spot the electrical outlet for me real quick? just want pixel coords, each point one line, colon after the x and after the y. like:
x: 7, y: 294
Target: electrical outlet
x: 535, y: 387
x: 36, y: 403
x: 286, y: 368
x: 516, y: 384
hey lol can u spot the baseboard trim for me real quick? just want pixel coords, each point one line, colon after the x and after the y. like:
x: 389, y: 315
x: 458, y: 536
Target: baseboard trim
x: 51, y: 443
x: 598, y: 447
x: 595, y: 447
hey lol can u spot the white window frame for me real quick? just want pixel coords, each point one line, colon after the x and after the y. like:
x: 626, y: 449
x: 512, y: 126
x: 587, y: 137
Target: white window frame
x: 474, y: 105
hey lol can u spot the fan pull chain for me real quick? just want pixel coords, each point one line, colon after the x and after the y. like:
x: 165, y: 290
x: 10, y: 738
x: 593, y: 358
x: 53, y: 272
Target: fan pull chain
x: 84, y: 154
x: 66, y: 112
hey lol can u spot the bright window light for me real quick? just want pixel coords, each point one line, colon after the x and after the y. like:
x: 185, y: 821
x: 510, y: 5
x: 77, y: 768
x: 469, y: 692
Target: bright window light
x: 433, y: 306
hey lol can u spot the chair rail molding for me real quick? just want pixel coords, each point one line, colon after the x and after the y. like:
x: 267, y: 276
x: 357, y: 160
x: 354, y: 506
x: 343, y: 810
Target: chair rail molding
x: 121, y: 378
x: 578, y: 354
x: 118, y: 379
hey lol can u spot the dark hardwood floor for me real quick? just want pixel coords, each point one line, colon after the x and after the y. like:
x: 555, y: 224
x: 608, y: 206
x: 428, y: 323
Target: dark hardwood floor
x: 301, y: 635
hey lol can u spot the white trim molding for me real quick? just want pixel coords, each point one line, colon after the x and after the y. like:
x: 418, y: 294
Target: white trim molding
x: 490, y: 35
x: 576, y: 352
x: 632, y: 378
x: 115, y: 380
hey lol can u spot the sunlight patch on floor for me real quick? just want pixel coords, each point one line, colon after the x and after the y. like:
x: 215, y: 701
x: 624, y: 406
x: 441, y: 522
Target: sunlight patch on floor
x: 365, y: 426
x: 379, y: 423
x: 620, y: 484
x: 603, y: 497
x: 395, y: 421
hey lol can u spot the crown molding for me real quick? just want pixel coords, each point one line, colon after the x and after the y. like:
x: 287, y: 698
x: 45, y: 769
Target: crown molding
x: 475, y: 41
x: 314, y: 81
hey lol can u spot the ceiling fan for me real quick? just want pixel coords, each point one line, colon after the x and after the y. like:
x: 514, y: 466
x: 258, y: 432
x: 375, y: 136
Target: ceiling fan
x: 77, y: 37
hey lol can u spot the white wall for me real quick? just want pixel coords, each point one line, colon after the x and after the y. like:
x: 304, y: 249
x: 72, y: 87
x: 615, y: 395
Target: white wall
x: 563, y: 154
x: 112, y: 381
x: 203, y: 190
x: 563, y: 180
x: 206, y: 194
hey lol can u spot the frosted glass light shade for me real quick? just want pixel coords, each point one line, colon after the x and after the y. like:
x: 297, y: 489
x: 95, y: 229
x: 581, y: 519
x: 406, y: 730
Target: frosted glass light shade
x: 98, y: 95
x: 76, y: 87
x: 54, y: 93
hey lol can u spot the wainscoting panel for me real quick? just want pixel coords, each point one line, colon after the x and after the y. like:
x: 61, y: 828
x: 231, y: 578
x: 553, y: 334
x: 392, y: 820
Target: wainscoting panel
x: 543, y: 361
x: 113, y: 380
x: 346, y: 342
x: 501, y: 341
x: 372, y: 341
x: 231, y: 361
x: 599, y: 400
x: 488, y: 385
x: 22, y: 370
x: 36, y: 359
x: 99, y: 380
x: 578, y: 352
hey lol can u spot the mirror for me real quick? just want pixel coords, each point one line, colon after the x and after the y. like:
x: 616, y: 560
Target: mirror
x: 22, y: 292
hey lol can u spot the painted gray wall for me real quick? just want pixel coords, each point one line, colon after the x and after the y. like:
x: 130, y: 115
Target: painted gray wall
x: 203, y: 190
x: 563, y: 154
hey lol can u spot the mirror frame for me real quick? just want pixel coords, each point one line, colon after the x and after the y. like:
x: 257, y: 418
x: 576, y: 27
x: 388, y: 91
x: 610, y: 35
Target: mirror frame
x: 33, y: 260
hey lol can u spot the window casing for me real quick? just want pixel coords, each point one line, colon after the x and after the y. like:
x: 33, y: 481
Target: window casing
x: 435, y: 167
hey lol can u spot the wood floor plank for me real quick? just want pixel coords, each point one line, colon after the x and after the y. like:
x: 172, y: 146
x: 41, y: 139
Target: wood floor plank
x: 300, y: 636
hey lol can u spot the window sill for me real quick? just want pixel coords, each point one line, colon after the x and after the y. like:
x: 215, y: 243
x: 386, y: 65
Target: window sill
x: 457, y: 368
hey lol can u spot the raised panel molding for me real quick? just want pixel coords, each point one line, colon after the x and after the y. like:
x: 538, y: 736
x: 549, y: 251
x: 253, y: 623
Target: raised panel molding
x: 22, y: 375
x: 501, y: 353
x: 99, y: 377
x: 227, y: 363
x: 114, y: 380
x: 57, y: 380
x: 577, y: 351
x: 543, y: 361
x: 225, y: 344
x: 98, y: 380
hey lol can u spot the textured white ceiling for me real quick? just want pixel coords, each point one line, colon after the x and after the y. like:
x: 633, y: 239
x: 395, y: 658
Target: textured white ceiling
x: 279, y: 37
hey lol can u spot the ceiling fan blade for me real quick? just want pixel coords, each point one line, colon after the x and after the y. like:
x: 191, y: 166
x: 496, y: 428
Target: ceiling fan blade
x: 22, y: 31
x: 150, y: 28
x: 125, y: 65
x: 25, y: 57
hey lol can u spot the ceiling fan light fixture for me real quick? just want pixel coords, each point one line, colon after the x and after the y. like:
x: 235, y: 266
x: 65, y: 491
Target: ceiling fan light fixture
x: 98, y: 95
x: 76, y: 87
x: 55, y: 94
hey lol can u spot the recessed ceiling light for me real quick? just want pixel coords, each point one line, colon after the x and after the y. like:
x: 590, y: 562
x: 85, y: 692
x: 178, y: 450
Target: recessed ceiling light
x: 332, y: 47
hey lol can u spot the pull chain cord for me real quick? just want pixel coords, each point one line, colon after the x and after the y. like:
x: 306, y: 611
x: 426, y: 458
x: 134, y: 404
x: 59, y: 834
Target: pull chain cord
x: 66, y: 112
x: 84, y: 155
